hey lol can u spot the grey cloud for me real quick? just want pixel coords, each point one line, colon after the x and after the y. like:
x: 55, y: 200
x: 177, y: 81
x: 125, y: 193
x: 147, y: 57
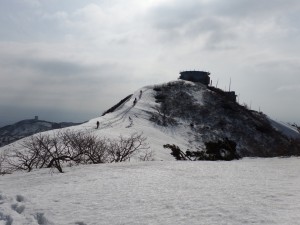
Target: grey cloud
x: 286, y: 67
x: 175, y: 14
x: 221, y: 40
x: 34, y: 20
x: 289, y: 88
x: 192, y: 19
x: 255, y: 8
x: 54, y: 67
x: 221, y: 19
x: 208, y: 24
x: 62, y: 68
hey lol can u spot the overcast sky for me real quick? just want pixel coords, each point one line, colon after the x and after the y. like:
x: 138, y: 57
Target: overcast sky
x: 69, y: 60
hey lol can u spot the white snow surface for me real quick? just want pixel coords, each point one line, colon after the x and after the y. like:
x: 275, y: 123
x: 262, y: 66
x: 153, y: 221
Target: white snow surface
x: 247, y: 191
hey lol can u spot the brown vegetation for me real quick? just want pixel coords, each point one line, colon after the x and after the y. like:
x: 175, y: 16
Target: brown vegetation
x: 73, y: 148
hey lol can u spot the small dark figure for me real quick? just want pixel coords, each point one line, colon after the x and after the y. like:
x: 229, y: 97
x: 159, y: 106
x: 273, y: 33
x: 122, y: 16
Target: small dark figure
x: 97, y: 124
x: 134, y: 102
x: 141, y: 92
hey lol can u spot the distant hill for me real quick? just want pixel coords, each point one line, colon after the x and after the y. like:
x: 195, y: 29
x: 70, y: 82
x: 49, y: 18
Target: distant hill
x: 25, y: 128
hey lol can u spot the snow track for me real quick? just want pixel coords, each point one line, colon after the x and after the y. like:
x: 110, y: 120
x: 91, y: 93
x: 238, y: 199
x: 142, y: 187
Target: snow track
x: 13, y: 211
x: 124, y: 111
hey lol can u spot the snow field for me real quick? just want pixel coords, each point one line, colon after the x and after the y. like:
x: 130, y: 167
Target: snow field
x: 248, y: 191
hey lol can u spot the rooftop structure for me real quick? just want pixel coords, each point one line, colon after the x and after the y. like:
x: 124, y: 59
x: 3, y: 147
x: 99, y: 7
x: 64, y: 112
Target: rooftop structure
x: 196, y: 76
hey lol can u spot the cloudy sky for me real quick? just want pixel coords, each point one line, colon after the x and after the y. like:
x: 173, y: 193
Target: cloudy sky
x: 69, y: 60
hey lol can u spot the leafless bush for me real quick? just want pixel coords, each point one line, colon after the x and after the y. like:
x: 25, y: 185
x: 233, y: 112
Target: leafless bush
x: 122, y: 149
x: 32, y: 155
x: 77, y: 144
x: 174, y: 102
x: 37, y: 151
x: 70, y: 147
x: 3, y: 164
x: 161, y: 116
x: 147, y: 155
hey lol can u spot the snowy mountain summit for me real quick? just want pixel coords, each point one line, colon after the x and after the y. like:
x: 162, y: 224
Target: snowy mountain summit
x: 190, y: 114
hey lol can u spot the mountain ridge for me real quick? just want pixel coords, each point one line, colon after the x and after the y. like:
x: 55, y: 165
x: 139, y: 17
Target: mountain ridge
x: 27, y: 127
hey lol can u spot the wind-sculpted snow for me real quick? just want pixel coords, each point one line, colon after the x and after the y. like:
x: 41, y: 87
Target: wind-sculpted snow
x: 247, y: 191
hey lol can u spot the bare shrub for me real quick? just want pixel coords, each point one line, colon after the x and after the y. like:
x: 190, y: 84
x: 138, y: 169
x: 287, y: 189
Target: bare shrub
x: 38, y: 151
x: 3, y: 164
x: 221, y: 150
x: 122, y: 149
x: 147, y: 155
x: 73, y: 148
x: 162, y: 117
x: 77, y: 144
x: 176, y: 152
x: 33, y: 153
x: 174, y: 102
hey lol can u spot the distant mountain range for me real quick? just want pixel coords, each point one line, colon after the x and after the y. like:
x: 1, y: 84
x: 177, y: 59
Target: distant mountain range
x: 24, y: 128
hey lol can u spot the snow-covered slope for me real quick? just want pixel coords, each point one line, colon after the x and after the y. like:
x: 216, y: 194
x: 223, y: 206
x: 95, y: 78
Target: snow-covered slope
x: 247, y: 191
x: 130, y: 118
x: 211, y: 117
